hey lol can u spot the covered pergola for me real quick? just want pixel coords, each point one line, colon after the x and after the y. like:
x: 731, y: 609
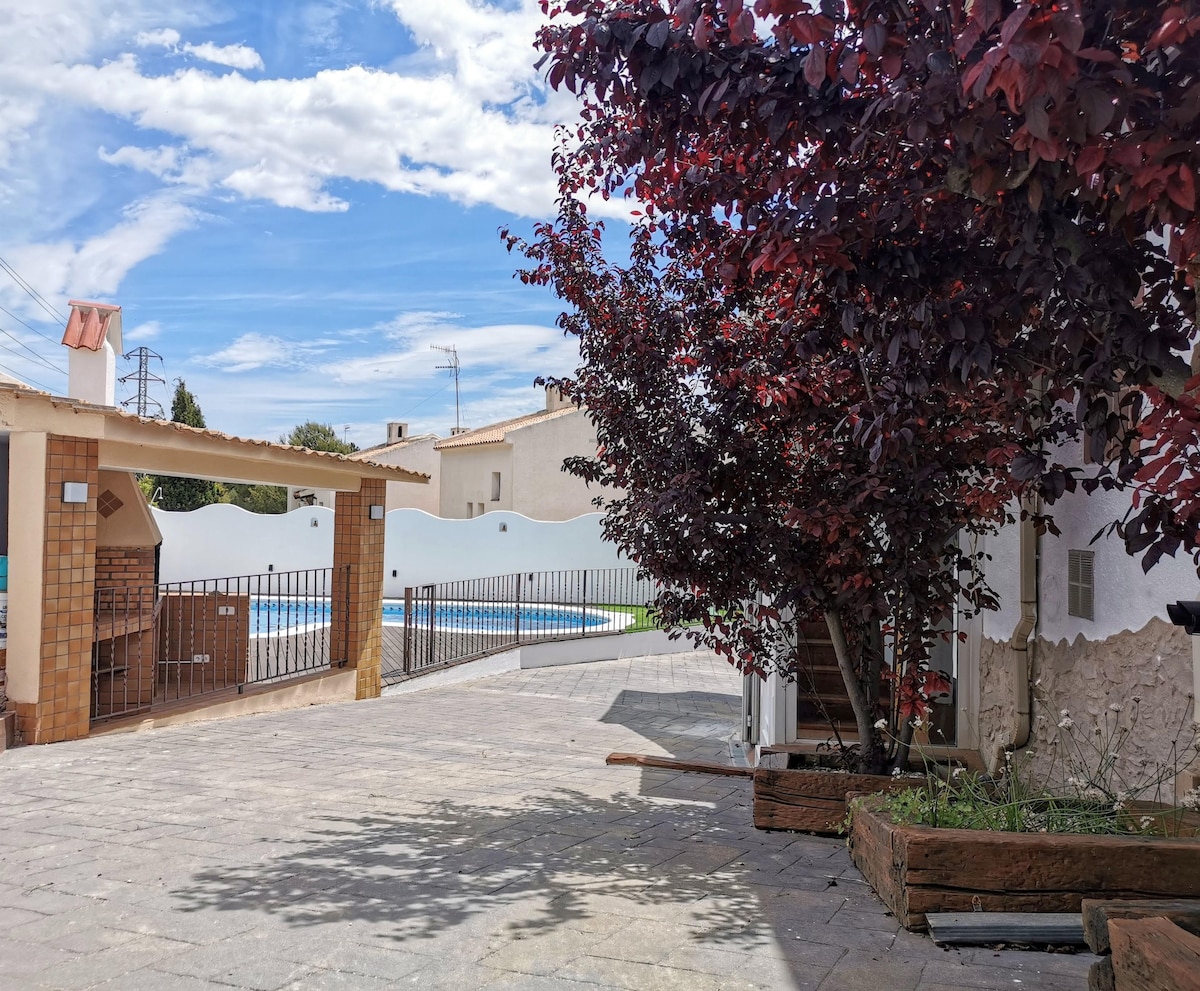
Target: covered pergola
x: 60, y: 451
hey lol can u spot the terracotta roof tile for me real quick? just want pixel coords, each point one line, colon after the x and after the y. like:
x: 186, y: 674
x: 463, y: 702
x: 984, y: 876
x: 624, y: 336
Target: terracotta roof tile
x: 398, y: 445
x: 244, y: 442
x: 89, y: 324
x: 497, y: 432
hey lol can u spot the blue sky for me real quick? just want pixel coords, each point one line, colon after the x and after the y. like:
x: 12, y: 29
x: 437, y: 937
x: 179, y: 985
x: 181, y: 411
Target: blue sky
x: 291, y: 201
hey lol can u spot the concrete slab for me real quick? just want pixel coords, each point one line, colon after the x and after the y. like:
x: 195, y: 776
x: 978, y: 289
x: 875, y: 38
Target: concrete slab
x: 465, y: 836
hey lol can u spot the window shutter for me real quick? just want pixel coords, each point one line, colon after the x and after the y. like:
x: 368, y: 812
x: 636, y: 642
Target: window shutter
x: 1081, y: 584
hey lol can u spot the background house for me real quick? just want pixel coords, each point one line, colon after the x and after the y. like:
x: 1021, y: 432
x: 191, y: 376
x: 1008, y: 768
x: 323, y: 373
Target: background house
x: 402, y: 450
x: 517, y: 465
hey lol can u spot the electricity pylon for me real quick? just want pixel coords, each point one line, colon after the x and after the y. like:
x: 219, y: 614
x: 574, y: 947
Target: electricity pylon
x: 143, y: 376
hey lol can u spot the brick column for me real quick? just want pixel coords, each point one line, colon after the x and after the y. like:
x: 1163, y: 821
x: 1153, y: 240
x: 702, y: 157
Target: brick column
x: 61, y: 711
x: 356, y: 630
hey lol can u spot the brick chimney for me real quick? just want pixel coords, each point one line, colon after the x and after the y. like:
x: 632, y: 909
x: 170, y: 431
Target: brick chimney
x: 93, y: 337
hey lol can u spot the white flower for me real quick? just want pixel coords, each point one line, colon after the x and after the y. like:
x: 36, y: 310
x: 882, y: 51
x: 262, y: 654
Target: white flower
x: 895, y: 772
x: 1191, y: 799
x: 1065, y: 712
x: 957, y: 772
x: 1066, y: 722
x: 1115, y: 706
x: 1146, y: 822
x: 881, y: 724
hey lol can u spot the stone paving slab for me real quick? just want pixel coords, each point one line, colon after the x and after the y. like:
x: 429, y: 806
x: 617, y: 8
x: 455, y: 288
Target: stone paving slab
x: 461, y: 837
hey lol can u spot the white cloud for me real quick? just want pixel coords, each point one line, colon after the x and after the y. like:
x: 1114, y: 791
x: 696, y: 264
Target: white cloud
x: 147, y: 331
x: 474, y: 122
x: 95, y: 266
x: 253, y: 351
x: 234, y: 56
x: 486, y: 354
x: 162, y: 37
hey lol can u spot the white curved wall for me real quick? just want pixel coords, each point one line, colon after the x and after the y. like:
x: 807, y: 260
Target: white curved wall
x: 1126, y: 598
x: 223, y: 541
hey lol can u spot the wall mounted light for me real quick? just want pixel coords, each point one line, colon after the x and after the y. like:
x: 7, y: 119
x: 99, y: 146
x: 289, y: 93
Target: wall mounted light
x: 314, y: 522
x: 504, y: 528
x: 376, y: 512
x: 75, y: 492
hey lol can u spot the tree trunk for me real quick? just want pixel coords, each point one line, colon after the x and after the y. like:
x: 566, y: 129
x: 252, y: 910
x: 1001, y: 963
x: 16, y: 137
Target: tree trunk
x: 867, y: 735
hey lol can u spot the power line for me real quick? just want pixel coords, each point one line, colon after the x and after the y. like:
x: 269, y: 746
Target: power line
x: 23, y: 358
x: 31, y: 381
x: 33, y: 293
x: 435, y: 392
x: 30, y: 327
x: 44, y: 360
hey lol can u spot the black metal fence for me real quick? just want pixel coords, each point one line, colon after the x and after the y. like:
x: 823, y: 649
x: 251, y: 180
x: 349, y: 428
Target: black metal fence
x: 450, y: 622
x: 159, y: 644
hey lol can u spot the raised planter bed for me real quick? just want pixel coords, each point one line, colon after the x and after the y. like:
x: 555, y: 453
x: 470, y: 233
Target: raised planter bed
x: 813, y: 801
x: 917, y: 869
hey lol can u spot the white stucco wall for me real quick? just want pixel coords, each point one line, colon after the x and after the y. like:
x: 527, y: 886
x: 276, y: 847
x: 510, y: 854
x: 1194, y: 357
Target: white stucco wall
x: 1126, y: 599
x: 419, y: 456
x: 542, y: 490
x: 466, y: 477
x: 223, y: 541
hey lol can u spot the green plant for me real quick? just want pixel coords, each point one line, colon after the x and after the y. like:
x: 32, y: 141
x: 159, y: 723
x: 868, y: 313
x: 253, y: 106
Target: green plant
x: 1090, y: 784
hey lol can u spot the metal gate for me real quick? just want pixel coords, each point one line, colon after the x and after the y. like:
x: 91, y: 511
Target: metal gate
x: 157, y: 645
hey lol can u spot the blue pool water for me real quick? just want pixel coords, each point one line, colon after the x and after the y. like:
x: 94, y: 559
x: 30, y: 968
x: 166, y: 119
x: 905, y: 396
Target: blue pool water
x: 274, y: 616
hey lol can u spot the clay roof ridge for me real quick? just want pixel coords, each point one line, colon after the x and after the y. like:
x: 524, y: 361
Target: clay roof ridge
x: 80, y: 405
x: 497, y: 432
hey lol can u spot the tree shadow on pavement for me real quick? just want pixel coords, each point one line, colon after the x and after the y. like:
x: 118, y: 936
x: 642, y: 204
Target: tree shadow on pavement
x: 419, y: 871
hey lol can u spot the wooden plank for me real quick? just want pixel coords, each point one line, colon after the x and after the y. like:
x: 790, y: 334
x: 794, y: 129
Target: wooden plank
x: 674, y: 764
x: 1184, y: 912
x: 1101, y: 976
x: 924, y: 870
x: 982, y: 928
x: 811, y: 800
x: 1043, y: 862
x: 873, y: 848
x: 1154, y: 955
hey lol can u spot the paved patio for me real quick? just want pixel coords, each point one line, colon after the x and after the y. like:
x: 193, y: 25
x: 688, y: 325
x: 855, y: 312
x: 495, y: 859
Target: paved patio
x: 461, y: 837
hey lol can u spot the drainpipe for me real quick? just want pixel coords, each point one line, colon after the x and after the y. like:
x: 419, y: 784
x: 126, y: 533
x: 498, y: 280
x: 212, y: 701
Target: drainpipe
x: 1021, y: 643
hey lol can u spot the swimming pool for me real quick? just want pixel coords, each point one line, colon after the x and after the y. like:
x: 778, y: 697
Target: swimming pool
x: 291, y: 615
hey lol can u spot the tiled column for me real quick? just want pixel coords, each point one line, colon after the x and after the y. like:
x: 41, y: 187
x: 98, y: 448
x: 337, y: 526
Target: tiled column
x: 357, y: 616
x: 61, y: 709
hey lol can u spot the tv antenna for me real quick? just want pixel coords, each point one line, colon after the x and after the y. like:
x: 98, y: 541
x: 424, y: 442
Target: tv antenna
x: 452, y: 367
x: 143, y: 377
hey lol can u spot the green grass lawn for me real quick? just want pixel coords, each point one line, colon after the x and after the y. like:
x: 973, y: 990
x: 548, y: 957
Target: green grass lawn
x: 642, y: 620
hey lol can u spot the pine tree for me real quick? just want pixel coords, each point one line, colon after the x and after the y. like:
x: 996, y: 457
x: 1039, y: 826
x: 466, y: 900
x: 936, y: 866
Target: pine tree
x: 184, y: 494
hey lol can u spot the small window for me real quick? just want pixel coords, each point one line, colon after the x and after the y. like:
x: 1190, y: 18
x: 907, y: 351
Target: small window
x: 495, y: 486
x: 1081, y: 584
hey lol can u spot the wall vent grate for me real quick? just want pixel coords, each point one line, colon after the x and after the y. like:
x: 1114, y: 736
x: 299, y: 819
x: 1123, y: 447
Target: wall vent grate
x: 1081, y: 584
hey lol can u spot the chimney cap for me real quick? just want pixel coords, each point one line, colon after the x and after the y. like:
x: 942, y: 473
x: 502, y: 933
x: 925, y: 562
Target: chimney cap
x: 91, y: 324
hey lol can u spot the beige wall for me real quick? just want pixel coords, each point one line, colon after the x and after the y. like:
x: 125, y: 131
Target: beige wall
x: 532, y: 481
x: 466, y: 477
x: 1085, y: 677
x: 131, y: 525
x: 419, y: 456
x: 26, y: 532
x: 541, y: 489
